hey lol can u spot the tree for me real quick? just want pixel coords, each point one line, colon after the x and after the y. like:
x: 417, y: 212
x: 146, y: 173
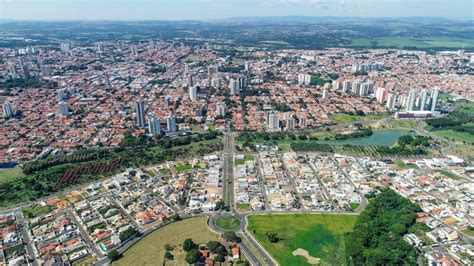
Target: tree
x: 169, y: 256
x: 219, y: 258
x: 230, y: 236
x: 189, y: 245
x: 273, y: 237
x: 405, y: 140
x: 213, y: 245
x: 176, y: 217
x: 114, y: 255
x: 220, y: 205
x: 360, y: 113
x: 377, y: 235
x: 193, y: 256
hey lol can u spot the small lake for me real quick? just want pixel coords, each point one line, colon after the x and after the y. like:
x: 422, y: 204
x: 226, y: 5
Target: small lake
x: 378, y: 138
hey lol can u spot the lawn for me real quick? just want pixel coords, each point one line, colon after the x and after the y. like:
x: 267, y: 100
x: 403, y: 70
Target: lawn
x: 456, y: 136
x: 401, y: 164
x: 228, y: 222
x: 151, y: 249
x: 322, y: 235
x: 10, y: 174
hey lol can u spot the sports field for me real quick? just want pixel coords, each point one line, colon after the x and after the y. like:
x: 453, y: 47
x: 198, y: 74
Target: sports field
x: 151, y: 249
x: 321, y: 235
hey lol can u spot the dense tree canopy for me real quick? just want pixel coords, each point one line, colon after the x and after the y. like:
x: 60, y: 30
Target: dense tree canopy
x: 377, y: 236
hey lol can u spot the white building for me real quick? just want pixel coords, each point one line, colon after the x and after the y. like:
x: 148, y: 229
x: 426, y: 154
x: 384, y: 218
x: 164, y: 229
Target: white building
x: 154, y: 126
x: 193, y: 93
x: 273, y: 120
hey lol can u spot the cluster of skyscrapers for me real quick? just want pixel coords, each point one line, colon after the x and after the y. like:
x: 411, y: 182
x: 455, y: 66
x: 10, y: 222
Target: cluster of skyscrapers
x: 154, y: 124
x: 423, y: 101
x: 356, y: 87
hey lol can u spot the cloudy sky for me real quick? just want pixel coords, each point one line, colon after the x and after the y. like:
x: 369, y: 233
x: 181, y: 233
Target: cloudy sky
x: 216, y: 9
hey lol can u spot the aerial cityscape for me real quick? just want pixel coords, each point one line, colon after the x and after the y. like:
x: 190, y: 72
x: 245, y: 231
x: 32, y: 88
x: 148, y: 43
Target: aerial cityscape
x: 282, y: 133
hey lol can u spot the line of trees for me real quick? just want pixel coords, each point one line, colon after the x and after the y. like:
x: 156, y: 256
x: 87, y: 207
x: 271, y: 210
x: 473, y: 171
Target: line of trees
x: 76, y: 157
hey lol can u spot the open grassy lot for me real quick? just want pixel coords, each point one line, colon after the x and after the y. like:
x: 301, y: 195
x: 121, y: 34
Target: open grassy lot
x: 10, y: 174
x: 194, y: 58
x: 463, y: 151
x: 86, y: 261
x: 346, y: 118
x: 321, y: 235
x: 243, y: 206
x: 450, y: 175
x: 35, y: 210
x: 228, y: 222
x: 151, y: 249
x: 455, y: 135
x: 247, y: 157
x: 402, y: 124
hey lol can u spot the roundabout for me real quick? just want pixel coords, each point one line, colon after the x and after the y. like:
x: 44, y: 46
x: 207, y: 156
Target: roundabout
x: 227, y: 222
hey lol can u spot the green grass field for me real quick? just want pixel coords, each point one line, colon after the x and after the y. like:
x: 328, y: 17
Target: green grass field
x: 322, y: 235
x: 456, y: 136
x: 425, y: 43
x: 228, y: 222
x: 10, y: 174
x: 151, y: 249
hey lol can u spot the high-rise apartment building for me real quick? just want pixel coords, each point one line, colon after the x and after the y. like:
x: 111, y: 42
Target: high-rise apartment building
x: 140, y: 112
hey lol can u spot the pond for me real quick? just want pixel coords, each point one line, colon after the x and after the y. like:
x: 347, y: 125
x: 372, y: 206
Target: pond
x: 378, y: 138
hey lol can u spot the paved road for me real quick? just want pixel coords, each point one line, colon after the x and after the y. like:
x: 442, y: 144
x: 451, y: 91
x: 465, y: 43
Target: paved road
x: 26, y: 237
x: 323, y: 186
x: 364, y: 201
x: 241, y: 231
x: 228, y: 171
x: 84, y: 234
